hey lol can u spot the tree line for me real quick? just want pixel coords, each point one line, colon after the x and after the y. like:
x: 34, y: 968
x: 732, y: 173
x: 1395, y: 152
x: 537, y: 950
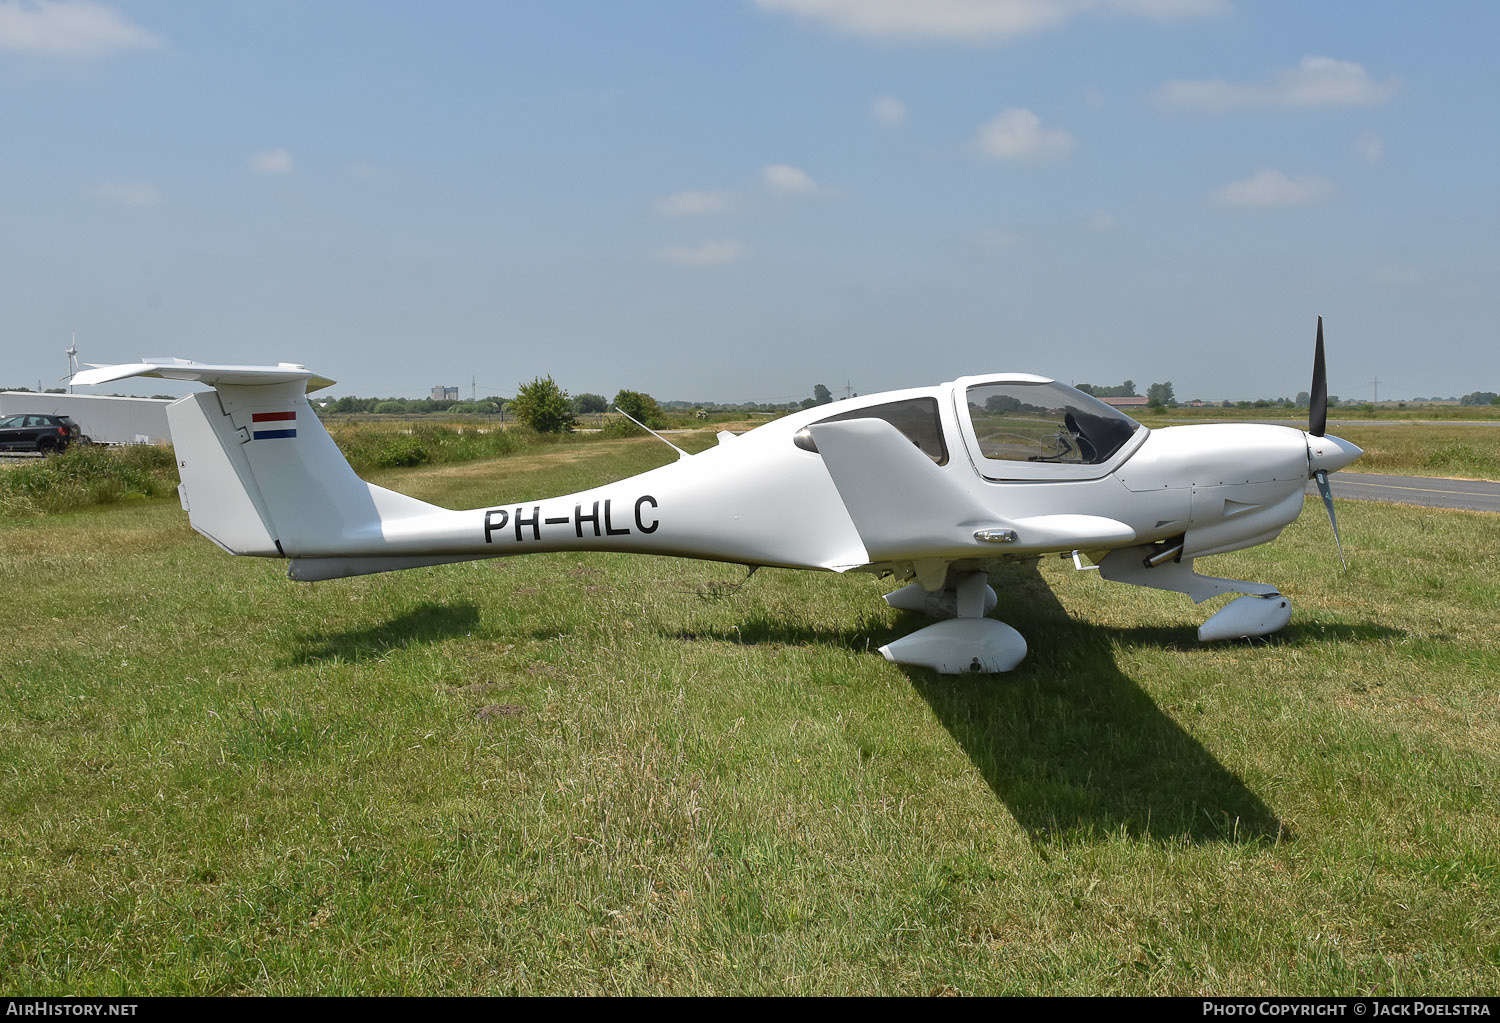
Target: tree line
x: 546, y: 407
x: 1157, y: 395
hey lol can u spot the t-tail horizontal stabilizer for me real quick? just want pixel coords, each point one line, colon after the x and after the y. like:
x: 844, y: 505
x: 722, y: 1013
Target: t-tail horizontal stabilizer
x: 202, y: 372
x: 260, y: 474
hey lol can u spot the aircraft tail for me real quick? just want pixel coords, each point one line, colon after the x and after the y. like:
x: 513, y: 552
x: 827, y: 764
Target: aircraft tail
x: 260, y: 474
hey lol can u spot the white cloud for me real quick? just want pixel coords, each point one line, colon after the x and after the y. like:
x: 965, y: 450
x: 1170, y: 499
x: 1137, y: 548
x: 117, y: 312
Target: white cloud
x: 272, y: 161
x: 687, y: 203
x: 1370, y: 147
x: 1017, y: 135
x: 1269, y: 187
x: 126, y: 195
x: 788, y: 180
x: 1315, y: 82
x: 68, y: 28
x: 888, y: 110
x: 1100, y: 222
x: 707, y: 254
x: 1167, y: 10
x: 973, y: 20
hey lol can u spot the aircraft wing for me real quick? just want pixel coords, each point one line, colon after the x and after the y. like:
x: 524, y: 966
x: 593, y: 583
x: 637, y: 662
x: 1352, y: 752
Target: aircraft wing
x: 905, y: 506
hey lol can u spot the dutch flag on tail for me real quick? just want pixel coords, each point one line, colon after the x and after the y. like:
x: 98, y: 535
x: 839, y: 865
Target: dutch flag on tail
x: 271, y: 430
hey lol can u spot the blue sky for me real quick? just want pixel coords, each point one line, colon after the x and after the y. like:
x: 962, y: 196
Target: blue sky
x: 735, y: 199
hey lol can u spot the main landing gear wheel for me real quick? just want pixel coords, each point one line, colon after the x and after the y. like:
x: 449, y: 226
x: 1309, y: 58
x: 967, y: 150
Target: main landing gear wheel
x: 967, y: 643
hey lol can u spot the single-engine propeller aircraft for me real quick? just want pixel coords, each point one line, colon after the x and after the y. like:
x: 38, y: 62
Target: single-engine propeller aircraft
x: 926, y: 484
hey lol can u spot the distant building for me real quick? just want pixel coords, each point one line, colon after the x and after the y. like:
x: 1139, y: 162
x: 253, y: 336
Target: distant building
x: 1134, y: 401
x: 441, y: 393
x: 101, y: 418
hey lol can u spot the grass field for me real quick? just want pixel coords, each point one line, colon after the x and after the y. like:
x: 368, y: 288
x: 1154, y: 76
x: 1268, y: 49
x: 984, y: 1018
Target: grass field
x: 1393, y: 441
x: 1341, y: 414
x: 1471, y: 452
x: 612, y: 774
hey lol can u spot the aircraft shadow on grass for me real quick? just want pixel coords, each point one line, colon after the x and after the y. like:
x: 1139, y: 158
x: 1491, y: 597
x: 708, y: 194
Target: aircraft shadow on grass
x: 1071, y: 744
x: 426, y: 623
x: 1078, y: 750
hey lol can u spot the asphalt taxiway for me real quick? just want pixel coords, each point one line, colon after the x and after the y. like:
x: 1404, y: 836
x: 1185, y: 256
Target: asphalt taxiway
x: 1469, y: 495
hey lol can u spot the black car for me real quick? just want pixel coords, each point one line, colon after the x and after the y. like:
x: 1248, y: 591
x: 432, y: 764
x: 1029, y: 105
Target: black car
x: 34, y: 432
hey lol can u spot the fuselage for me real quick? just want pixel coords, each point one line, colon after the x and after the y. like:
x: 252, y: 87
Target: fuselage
x: 1053, y: 468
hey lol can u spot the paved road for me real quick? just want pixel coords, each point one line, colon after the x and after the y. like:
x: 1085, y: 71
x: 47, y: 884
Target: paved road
x: 1335, y: 424
x: 1473, y: 495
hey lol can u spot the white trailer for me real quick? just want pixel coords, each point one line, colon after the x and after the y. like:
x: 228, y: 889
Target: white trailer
x: 103, y: 419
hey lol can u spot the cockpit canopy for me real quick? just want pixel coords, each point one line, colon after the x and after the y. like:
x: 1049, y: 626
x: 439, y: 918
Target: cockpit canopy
x: 1015, y: 427
x: 1045, y: 421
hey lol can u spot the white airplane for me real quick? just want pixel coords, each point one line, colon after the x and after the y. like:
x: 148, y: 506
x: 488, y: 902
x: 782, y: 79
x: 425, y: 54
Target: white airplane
x: 927, y: 484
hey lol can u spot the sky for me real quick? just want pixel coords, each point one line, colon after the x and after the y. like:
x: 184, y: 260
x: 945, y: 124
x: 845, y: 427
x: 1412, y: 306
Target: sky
x: 728, y: 200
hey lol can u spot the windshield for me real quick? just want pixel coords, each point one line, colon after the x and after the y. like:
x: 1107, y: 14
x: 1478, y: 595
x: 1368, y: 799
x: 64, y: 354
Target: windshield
x: 1046, y: 422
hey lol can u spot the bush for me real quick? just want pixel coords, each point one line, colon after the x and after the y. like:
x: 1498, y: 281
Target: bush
x: 399, y: 452
x: 373, y: 445
x: 95, y: 475
x: 543, y: 406
x: 641, y: 407
x: 83, y: 476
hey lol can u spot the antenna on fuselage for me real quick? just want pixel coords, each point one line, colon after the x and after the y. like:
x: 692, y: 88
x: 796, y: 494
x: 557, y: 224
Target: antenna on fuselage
x: 680, y: 453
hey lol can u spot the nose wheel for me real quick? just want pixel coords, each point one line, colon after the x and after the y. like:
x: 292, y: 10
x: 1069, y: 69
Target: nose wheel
x: 1261, y: 612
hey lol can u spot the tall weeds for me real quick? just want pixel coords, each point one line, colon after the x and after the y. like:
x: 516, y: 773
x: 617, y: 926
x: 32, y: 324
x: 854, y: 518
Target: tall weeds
x: 84, y: 476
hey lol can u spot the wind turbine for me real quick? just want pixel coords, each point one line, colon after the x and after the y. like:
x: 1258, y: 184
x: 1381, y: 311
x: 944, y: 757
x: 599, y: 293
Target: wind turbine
x: 72, y: 354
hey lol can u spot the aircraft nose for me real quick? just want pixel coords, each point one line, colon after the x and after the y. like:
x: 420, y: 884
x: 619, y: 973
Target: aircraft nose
x: 1330, y: 453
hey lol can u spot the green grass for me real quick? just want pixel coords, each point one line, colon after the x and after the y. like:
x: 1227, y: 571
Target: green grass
x: 84, y: 476
x: 370, y: 446
x: 608, y: 774
x: 1342, y: 413
x: 1471, y: 452
x: 1401, y: 446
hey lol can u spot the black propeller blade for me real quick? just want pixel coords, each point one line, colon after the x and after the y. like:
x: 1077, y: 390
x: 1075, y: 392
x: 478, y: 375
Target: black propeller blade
x: 1317, y: 406
x: 1317, y: 426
